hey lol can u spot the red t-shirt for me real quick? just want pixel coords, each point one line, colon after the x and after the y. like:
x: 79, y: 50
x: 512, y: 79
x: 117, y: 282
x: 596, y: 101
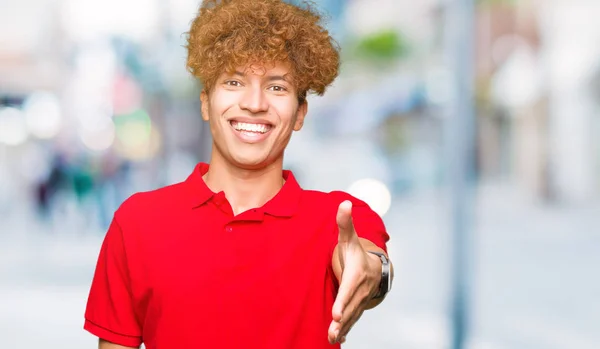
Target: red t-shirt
x: 178, y: 270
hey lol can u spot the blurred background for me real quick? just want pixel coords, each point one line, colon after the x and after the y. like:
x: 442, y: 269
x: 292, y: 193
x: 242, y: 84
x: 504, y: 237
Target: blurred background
x: 96, y: 104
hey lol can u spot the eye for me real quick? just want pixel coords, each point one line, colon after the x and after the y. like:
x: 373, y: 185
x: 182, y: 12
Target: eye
x: 234, y: 83
x: 278, y: 88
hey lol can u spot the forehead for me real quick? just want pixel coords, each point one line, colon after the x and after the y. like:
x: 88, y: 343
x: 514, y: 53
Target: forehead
x: 267, y: 70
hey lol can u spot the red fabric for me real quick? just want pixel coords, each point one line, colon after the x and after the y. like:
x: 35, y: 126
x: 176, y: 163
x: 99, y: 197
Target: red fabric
x: 178, y: 270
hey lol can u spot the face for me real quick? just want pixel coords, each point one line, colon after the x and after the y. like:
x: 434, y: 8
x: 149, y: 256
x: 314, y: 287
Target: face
x: 252, y: 114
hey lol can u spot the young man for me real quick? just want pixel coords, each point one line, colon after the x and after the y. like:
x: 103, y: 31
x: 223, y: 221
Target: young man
x: 238, y: 255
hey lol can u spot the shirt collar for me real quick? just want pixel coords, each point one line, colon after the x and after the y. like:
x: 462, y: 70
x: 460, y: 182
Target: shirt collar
x: 283, y: 204
x: 200, y: 193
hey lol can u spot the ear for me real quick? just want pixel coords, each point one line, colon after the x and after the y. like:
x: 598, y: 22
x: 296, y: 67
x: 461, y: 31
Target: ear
x: 204, y: 107
x: 300, y: 115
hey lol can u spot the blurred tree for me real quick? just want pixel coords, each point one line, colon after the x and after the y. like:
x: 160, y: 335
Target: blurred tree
x: 384, y: 46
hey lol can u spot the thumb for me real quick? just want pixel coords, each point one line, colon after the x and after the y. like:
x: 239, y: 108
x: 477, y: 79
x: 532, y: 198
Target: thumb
x: 344, y: 222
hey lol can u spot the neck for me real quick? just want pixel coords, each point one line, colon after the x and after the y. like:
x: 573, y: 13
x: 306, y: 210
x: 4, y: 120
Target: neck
x: 245, y: 189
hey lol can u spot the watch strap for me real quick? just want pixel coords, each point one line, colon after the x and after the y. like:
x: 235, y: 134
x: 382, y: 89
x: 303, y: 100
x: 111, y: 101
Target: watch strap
x: 385, y: 284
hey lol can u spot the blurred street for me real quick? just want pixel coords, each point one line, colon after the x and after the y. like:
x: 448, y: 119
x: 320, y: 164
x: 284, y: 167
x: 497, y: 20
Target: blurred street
x: 96, y: 104
x: 536, y: 284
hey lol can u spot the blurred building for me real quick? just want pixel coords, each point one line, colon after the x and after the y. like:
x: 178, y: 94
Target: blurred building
x: 538, y: 116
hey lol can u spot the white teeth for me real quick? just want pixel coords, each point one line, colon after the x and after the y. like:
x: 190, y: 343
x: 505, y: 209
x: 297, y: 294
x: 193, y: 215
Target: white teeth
x: 243, y: 126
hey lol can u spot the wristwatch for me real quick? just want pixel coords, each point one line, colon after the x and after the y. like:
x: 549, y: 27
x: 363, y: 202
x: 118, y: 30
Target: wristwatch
x: 385, y: 285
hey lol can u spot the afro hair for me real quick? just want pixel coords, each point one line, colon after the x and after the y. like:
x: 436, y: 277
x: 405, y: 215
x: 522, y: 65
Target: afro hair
x: 227, y: 34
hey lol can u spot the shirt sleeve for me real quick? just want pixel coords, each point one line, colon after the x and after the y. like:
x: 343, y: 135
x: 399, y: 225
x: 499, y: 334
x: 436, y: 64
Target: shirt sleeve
x: 368, y: 223
x: 110, y: 313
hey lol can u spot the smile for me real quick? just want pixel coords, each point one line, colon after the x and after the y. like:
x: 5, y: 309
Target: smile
x: 248, y: 127
x: 249, y: 132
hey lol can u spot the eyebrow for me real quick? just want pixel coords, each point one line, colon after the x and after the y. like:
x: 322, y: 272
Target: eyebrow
x: 269, y: 78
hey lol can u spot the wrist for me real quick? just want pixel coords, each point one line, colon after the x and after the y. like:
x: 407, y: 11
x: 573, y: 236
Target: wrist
x: 375, y: 266
x: 382, y: 274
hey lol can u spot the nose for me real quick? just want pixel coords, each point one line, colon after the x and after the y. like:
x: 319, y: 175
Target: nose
x: 254, y: 100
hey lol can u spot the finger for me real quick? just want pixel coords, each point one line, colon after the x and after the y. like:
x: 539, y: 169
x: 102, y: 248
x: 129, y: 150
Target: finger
x: 352, y: 293
x: 346, y: 292
x: 334, y: 331
x: 344, y: 222
x: 346, y: 327
x: 352, y: 313
x: 349, y: 311
x: 337, y: 334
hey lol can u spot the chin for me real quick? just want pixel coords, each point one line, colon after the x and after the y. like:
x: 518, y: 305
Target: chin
x: 251, y: 162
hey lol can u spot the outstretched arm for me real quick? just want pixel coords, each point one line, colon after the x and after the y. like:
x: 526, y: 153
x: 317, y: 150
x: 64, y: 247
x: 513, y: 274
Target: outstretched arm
x: 358, y: 273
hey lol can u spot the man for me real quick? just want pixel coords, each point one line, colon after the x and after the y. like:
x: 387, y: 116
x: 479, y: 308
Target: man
x: 238, y: 255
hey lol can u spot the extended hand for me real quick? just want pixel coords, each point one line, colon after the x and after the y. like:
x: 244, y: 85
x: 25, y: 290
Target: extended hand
x: 361, y: 274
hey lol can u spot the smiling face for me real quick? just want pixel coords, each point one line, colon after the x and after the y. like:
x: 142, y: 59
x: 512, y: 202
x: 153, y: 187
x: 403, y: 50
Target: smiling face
x: 252, y: 114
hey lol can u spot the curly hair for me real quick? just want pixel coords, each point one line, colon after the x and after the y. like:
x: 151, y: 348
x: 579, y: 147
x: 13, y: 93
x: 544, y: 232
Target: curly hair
x: 227, y: 34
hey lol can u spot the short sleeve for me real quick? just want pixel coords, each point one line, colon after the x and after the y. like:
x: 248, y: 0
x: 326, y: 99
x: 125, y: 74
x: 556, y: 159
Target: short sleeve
x: 368, y: 223
x: 110, y: 313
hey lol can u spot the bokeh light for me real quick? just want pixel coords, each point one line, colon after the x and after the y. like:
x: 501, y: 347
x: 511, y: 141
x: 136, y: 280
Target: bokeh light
x: 43, y: 115
x: 13, y: 129
x: 375, y: 193
x: 99, y: 138
x: 85, y: 19
x: 137, y: 139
